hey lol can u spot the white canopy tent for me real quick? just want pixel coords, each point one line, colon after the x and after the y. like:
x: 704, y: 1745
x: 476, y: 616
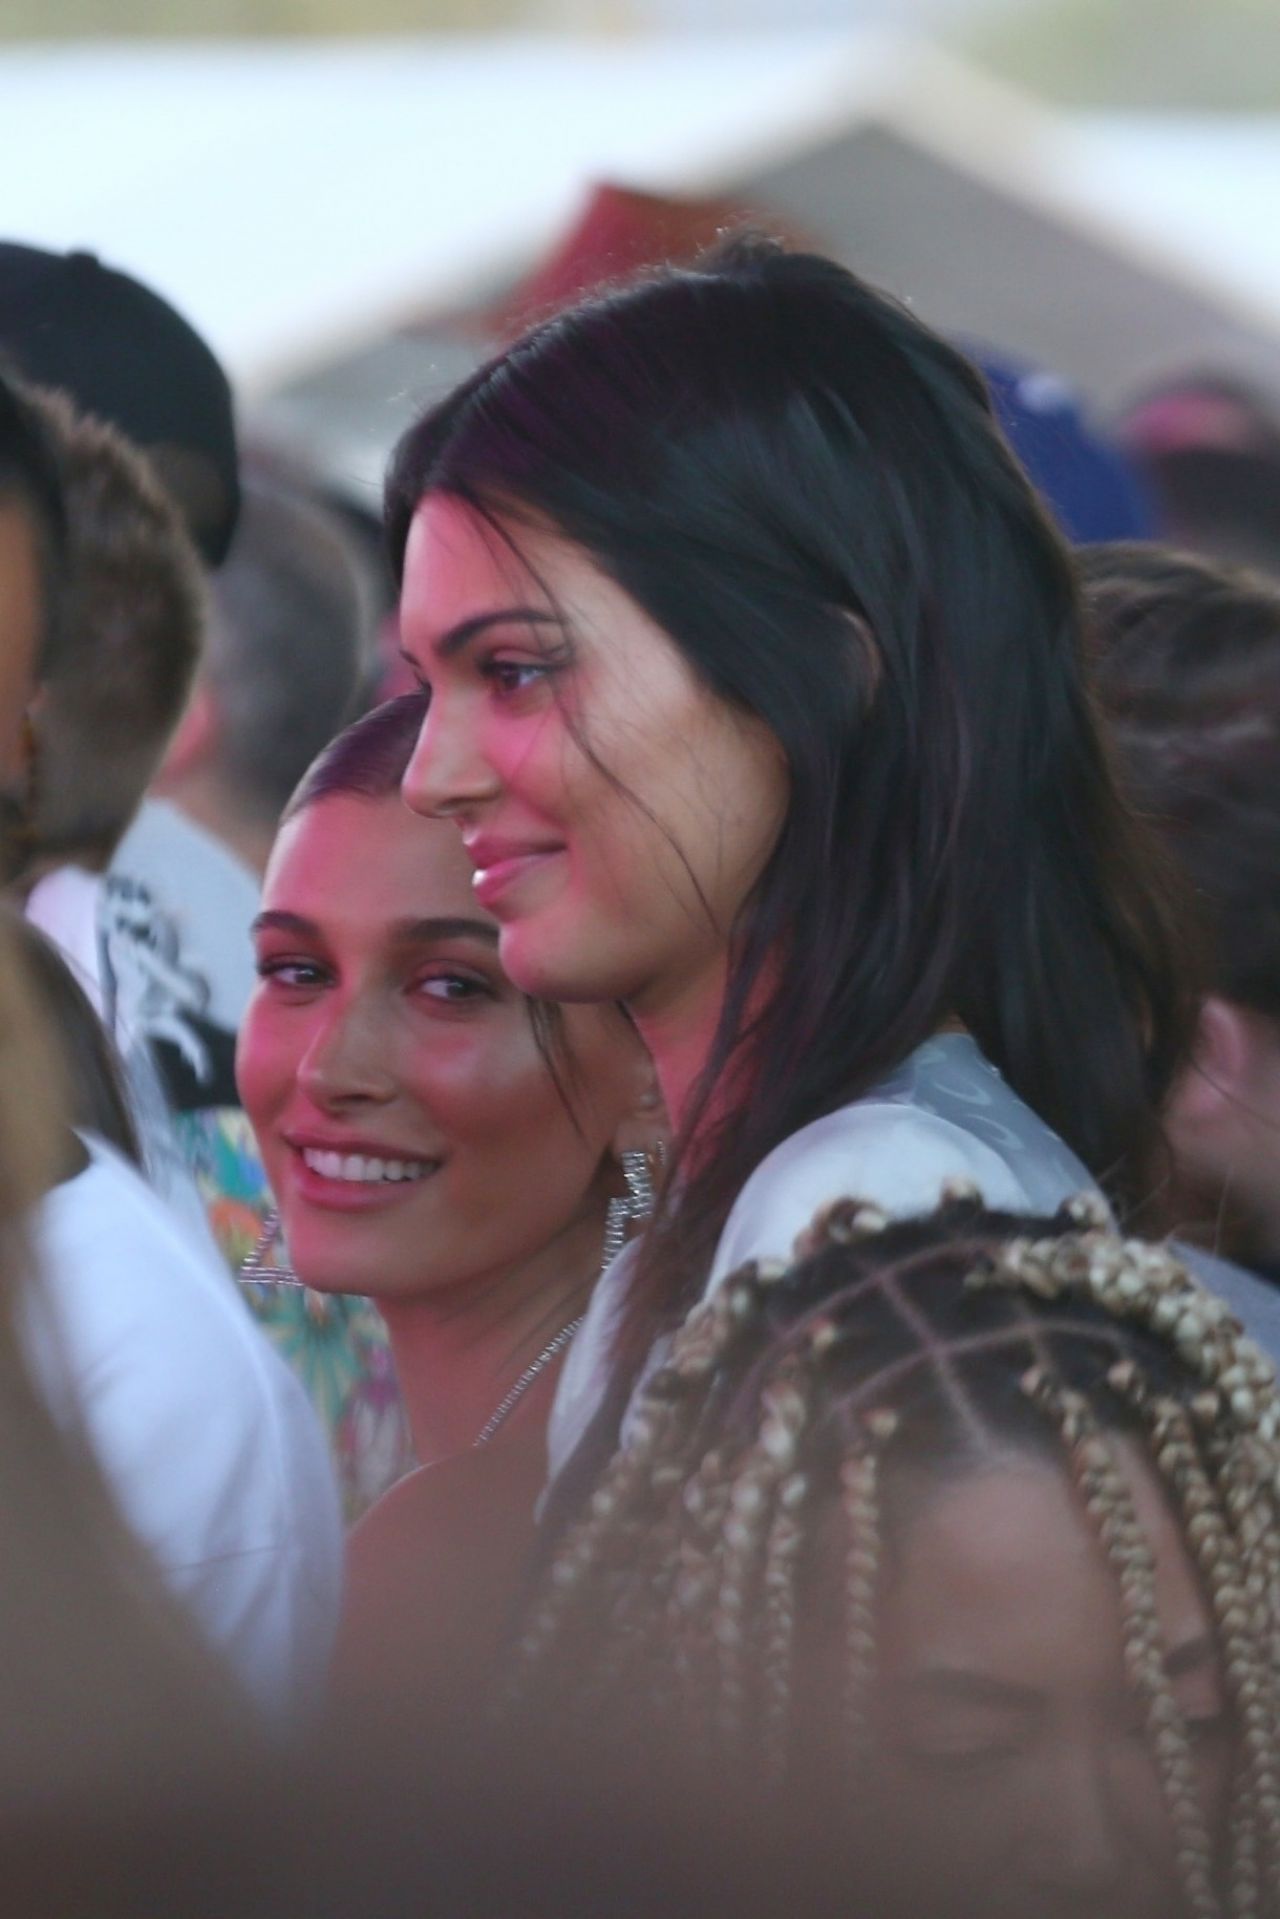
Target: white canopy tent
x: 312, y: 207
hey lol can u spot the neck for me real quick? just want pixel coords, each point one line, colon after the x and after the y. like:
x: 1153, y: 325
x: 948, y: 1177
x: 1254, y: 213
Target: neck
x: 678, y: 1031
x: 201, y: 797
x: 459, y: 1352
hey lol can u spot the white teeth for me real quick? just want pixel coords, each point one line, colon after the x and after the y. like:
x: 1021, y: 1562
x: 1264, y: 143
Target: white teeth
x: 364, y: 1170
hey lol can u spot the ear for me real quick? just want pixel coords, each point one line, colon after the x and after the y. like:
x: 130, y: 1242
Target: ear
x: 194, y: 740
x: 1215, y: 1086
x: 643, y: 1126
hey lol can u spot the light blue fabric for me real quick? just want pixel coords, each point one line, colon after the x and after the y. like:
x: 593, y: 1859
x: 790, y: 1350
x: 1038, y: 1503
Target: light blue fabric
x: 944, y: 1114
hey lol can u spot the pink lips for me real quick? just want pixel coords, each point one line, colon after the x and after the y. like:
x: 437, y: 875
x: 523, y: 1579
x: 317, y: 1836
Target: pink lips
x: 502, y: 864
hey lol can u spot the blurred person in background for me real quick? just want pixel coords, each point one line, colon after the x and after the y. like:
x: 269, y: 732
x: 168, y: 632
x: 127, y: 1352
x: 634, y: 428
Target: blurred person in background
x: 128, y: 357
x: 133, y: 619
x: 467, y: 1156
x: 963, y: 1531
x: 131, y: 612
x: 1209, y: 447
x: 110, y: 1706
x: 282, y: 664
x: 33, y: 538
x: 279, y: 677
x: 282, y: 668
x: 212, y: 1456
x: 1188, y: 669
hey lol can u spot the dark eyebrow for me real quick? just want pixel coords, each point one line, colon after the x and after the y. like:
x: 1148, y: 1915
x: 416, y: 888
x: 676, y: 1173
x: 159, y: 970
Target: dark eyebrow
x: 418, y: 932
x: 407, y: 932
x: 273, y: 922
x: 450, y: 644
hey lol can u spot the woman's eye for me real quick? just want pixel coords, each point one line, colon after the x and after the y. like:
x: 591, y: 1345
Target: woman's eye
x: 291, y: 972
x: 453, y: 988
x: 508, y: 677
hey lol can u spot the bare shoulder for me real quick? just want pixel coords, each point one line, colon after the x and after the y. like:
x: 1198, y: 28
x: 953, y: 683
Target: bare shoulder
x: 435, y: 1568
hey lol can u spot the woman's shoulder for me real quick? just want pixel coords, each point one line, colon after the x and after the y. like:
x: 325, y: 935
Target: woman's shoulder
x: 434, y: 1570
x: 945, y: 1115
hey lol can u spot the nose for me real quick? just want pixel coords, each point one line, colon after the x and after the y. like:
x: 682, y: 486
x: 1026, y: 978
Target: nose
x: 1076, y: 1847
x: 448, y: 776
x: 349, y: 1061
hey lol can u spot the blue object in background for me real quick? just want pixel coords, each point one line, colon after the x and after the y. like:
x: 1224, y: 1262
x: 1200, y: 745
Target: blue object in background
x: 1089, y: 485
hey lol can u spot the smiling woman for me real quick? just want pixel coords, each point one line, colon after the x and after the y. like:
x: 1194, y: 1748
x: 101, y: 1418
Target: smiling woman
x: 433, y: 1138
x: 758, y: 699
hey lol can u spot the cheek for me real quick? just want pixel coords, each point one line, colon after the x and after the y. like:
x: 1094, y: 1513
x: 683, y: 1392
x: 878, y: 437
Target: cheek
x: 484, y: 1089
x: 266, y: 1063
x: 510, y: 1134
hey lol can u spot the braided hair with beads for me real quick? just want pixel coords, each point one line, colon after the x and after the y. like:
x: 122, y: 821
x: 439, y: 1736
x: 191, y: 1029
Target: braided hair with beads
x: 791, y: 1398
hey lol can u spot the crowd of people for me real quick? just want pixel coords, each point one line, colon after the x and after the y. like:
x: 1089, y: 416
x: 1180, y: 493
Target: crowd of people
x: 644, y: 1277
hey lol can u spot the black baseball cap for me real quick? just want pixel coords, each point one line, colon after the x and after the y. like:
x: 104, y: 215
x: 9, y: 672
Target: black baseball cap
x: 124, y: 354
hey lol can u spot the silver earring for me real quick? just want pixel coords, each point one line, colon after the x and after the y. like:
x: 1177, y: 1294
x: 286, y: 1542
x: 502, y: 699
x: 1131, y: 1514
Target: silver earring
x: 254, y: 1266
x: 636, y: 1204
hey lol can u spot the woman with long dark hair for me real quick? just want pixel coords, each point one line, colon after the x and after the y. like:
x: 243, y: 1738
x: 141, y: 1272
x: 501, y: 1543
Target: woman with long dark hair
x: 757, y: 695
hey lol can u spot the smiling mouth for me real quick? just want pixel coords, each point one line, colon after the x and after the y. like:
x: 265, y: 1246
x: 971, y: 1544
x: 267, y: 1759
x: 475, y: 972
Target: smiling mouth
x: 364, y: 1169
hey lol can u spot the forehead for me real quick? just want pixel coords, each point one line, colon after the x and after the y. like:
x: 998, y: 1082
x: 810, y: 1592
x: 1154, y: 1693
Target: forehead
x: 456, y: 561
x: 354, y: 861
x: 1002, y: 1572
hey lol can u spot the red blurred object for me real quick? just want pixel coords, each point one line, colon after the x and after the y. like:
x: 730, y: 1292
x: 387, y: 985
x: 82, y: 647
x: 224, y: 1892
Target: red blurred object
x: 619, y: 232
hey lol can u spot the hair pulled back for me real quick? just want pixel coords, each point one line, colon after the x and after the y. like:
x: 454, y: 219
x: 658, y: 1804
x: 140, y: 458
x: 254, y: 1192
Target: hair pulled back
x: 368, y: 760
x: 806, y: 489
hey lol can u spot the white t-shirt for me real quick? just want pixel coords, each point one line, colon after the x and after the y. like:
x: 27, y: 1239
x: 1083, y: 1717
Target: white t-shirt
x: 945, y: 1114
x: 69, y: 907
x: 207, y: 1442
x: 190, y: 953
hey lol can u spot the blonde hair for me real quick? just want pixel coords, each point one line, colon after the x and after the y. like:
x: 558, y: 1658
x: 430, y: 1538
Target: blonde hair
x: 792, y: 1392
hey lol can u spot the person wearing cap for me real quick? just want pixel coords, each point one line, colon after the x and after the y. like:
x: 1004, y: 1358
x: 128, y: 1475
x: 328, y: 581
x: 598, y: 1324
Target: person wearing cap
x: 128, y: 357
x: 157, y: 910
x: 141, y: 1350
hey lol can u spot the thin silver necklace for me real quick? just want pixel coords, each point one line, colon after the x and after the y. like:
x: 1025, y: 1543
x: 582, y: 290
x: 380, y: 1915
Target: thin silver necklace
x: 507, y: 1405
x: 255, y: 1267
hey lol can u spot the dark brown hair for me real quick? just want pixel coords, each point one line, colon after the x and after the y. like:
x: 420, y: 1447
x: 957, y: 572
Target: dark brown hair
x: 1187, y: 662
x: 132, y: 612
x: 806, y: 489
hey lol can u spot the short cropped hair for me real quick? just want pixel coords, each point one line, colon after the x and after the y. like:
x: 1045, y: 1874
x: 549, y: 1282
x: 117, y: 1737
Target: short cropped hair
x: 30, y: 478
x: 285, y: 659
x: 132, y: 619
x: 1187, y: 664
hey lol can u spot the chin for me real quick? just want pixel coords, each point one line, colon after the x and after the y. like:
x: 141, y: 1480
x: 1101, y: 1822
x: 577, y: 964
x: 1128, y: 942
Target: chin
x: 562, y: 967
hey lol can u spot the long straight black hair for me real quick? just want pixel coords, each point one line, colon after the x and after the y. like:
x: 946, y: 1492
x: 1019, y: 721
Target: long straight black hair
x: 806, y: 489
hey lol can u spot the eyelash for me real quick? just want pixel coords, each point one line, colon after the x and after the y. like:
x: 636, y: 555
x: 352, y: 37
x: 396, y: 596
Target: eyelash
x: 286, y: 973
x: 499, y: 674
x: 276, y: 969
x: 474, y: 988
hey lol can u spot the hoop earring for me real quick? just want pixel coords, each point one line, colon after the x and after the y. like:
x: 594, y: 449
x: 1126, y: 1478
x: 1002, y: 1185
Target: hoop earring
x: 634, y: 1205
x: 254, y: 1267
